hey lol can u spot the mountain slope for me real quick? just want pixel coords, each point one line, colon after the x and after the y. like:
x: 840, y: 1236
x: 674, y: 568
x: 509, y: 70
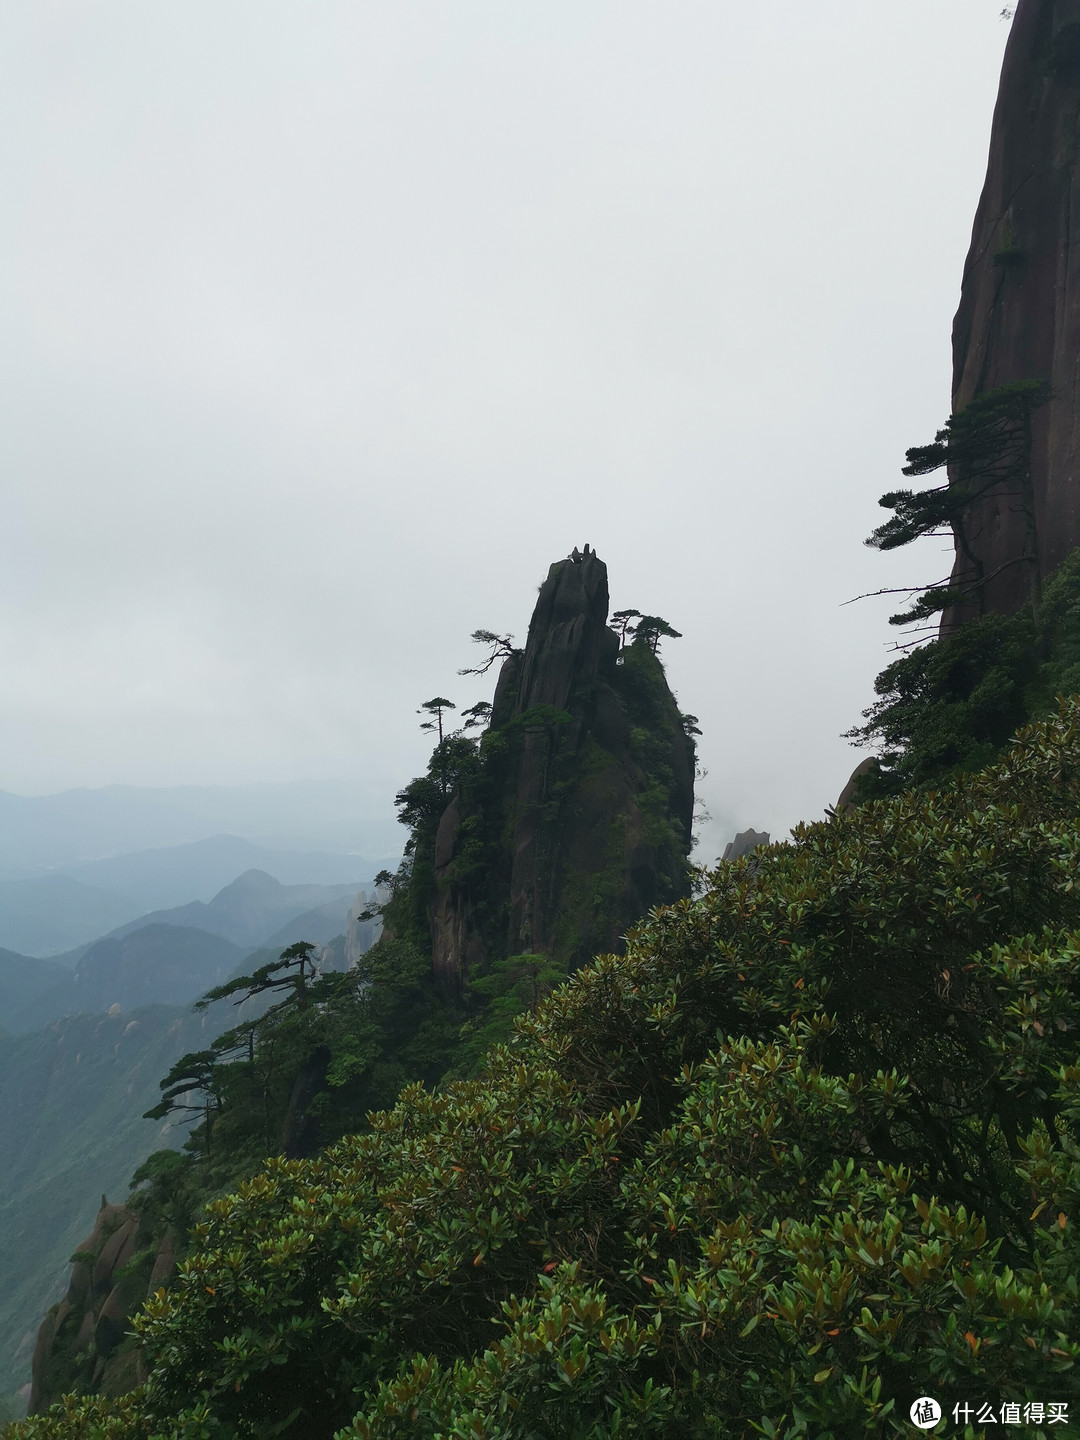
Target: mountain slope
x: 762, y: 1165
x: 22, y: 979
x: 246, y: 911
x: 49, y: 914
x: 66, y: 1088
x: 153, y: 965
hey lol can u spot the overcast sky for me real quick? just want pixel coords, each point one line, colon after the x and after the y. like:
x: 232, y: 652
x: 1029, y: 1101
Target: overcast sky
x: 325, y: 327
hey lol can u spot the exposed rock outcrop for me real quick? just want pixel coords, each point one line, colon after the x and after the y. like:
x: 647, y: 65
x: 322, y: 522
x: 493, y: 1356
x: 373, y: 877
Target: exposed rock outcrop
x: 744, y: 843
x: 1019, y: 314
x: 846, y: 800
x: 581, y: 821
x: 362, y: 928
x: 81, y: 1342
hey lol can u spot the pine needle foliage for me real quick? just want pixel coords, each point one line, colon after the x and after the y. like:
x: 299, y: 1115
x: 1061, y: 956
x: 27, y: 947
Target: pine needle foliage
x: 985, y: 450
x: 953, y: 704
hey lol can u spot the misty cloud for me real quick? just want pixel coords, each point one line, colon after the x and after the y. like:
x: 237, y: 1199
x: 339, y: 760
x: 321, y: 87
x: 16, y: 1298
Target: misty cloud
x: 326, y: 328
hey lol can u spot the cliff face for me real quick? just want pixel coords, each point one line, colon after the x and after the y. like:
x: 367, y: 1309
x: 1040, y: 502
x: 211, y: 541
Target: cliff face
x: 1019, y: 314
x: 580, y: 821
x: 80, y: 1345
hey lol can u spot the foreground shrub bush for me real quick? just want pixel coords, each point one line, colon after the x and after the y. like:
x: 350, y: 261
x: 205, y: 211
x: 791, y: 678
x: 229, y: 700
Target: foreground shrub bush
x: 808, y: 1151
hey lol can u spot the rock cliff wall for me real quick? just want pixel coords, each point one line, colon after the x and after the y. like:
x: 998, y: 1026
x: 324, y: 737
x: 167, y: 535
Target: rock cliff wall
x: 82, y: 1345
x: 1019, y: 314
x: 580, y: 822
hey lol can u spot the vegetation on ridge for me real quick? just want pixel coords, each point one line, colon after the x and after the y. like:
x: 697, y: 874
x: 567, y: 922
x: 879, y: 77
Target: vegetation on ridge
x: 951, y: 705
x: 309, y: 1054
x: 986, y: 448
x: 604, y: 765
x: 811, y: 1148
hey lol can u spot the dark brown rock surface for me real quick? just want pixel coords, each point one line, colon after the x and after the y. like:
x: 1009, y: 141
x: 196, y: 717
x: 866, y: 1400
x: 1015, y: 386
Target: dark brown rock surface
x: 1019, y: 314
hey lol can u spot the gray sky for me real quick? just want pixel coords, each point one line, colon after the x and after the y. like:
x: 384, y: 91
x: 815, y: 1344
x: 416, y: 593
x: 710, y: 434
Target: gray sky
x: 325, y: 327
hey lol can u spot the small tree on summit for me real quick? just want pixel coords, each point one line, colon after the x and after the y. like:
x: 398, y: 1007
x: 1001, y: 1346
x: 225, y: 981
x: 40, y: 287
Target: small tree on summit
x: 651, y: 629
x: 623, y: 622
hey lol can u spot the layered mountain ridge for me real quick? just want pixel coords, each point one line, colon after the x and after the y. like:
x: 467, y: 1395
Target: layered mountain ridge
x: 170, y: 957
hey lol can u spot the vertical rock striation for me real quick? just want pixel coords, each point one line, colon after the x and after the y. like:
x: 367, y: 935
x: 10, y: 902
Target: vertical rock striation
x: 1019, y: 314
x: 81, y: 1343
x: 580, y: 820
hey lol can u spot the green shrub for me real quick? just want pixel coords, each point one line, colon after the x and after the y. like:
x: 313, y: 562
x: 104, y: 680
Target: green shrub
x: 807, y: 1151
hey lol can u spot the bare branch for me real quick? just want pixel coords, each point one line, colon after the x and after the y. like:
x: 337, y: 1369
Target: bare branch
x: 899, y: 590
x: 502, y: 647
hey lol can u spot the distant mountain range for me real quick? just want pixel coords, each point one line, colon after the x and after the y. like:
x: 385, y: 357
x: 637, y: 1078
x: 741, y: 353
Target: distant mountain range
x: 51, y: 914
x: 54, y: 915
x: 320, y: 925
x: 41, y: 833
x: 119, y: 908
x: 154, y: 965
x: 249, y: 909
x: 338, y: 815
x: 22, y: 979
x: 171, y: 957
x: 171, y: 875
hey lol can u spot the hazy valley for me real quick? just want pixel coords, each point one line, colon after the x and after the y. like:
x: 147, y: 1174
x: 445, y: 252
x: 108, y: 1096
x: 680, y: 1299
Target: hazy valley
x: 103, y: 959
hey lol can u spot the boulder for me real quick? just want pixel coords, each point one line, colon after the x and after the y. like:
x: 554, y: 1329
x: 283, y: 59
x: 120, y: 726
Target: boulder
x: 847, y: 795
x: 42, y: 1350
x: 164, y: 1262
x: 79, y: 1283
x: 112, y: 1321
x: 95, y: 1303
x: 116, y: 1251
